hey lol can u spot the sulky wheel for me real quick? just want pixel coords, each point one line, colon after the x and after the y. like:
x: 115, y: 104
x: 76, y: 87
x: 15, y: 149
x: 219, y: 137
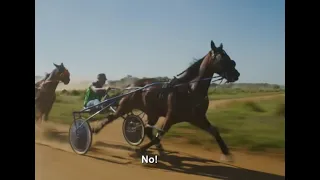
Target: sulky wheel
x: 80, y: 136
x: 133, y: 130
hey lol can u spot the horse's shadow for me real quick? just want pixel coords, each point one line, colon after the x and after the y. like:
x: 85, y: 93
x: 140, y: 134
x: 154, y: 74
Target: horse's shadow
x: 184, y: 163
x: 124, y: 147
x: 210, y: 168
x: 55, y: 135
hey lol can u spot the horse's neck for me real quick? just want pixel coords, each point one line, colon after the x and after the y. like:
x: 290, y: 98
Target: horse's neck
x: 204, y: 80
x: 50, y: 85
x: 203, y: 85
x: 190, y: 73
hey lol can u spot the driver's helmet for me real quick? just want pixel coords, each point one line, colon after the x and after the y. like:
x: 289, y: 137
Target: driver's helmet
x: 102, y: 76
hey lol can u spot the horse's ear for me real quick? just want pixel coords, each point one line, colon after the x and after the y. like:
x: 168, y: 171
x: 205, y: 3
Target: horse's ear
x: 213, y: 46
x: 221, y: 46
x: 57, y: 66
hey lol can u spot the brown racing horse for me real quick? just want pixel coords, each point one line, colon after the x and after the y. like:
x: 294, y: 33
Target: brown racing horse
x: 187, y: 103
x: 45, y: 91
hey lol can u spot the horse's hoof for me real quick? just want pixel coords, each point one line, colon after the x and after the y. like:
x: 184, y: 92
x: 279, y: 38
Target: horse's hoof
x: 227, y: 158
x: 140, y: 152
x: 136, y: 154
x: 95, y: 130
x: 162, y: 153
x: 160, y: 149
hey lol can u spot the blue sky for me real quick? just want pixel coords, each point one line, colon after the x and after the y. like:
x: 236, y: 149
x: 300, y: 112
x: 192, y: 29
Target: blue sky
x: 146, y: 38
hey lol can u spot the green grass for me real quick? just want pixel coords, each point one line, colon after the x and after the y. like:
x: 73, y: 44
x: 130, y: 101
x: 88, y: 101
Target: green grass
x: 240, y: 95
x: 229, y: 93
x: 253, y: 125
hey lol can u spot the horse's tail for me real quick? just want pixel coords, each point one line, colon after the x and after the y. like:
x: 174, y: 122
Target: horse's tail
x: 142, y: 82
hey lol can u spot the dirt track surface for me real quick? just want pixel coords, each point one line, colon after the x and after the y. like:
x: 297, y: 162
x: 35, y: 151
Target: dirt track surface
x: 109, y: 159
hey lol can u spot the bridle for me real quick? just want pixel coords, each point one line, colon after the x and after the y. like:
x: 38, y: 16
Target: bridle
x: 62, y: 75
x: 213, y: 56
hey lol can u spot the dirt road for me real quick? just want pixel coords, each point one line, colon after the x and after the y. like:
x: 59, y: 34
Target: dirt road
x: 109, y: 158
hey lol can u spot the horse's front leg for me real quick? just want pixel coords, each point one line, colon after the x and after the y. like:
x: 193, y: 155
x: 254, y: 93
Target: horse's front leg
x: 204, y: 124
x: 38, y: 118
x: 38, y: 115
x: 45, y: 116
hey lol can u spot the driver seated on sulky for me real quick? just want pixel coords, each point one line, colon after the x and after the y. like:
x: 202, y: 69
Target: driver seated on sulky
x: 96, y: 91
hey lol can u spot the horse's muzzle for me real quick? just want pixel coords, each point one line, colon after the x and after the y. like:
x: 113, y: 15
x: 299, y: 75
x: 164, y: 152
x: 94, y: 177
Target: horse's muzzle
x: 66, y: 81
x: 232, y: 76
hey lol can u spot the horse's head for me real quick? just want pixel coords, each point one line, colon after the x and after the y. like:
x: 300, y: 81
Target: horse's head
x: 61, y: 73
x: 222, y: 63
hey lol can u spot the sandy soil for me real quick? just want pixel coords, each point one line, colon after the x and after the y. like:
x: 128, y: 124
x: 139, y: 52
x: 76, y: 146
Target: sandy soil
x: 109, y: 159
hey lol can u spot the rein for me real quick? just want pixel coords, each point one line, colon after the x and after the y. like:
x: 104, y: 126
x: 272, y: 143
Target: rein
x: 145, y: 88
x: 204, y: 79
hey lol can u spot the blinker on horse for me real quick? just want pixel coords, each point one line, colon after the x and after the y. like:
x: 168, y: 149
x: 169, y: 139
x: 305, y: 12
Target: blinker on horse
x: 45, y: 92
x: 180, y: 104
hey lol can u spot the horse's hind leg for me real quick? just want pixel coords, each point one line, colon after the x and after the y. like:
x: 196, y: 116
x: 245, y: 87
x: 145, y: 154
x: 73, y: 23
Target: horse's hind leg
x: 123, y: 108
x: 165, y: 126
x: 168, y: 122
x: 155, y: 140
x: 151, y: 121
x: 205, y: 125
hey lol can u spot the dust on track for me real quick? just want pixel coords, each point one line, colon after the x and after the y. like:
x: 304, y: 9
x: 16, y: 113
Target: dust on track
x: 109, y: 158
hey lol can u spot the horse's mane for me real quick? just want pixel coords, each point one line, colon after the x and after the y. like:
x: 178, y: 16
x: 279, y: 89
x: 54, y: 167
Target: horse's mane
x: 197, y: 63
x: 194, y: 68
x: 49, y: 75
